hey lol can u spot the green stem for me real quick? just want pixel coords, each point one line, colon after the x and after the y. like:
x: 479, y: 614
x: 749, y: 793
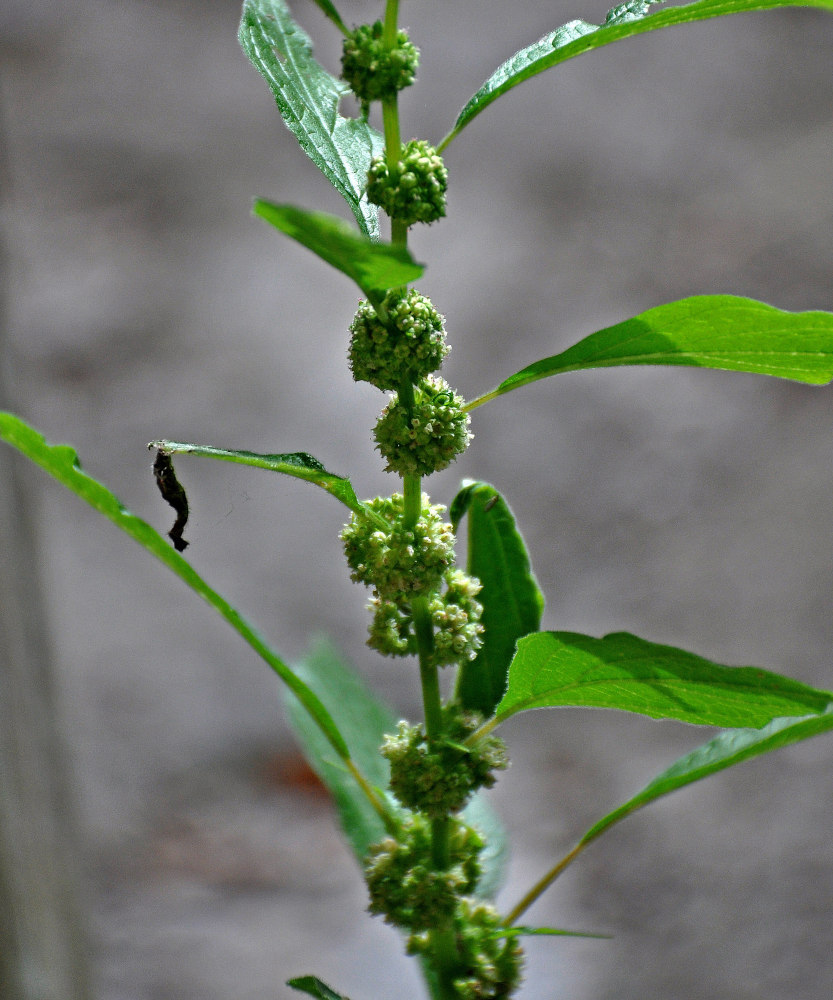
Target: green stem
x: 543, y: 884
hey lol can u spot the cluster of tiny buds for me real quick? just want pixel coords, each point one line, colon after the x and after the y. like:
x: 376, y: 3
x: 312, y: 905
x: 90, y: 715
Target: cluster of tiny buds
x: 426, y: 437
x: 404, y: 886
x: 412, y: 189
x: 455, y: 615
x: 492, y: 959
x: 409, y: 344
x: 401, y: 561
x: 373, y: 70
x: 438, y: 777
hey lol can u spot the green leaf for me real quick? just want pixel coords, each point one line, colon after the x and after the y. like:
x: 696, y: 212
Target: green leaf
x: 725, y: 750
x: 621, y: 671
x: 517, y: 931
x: 375, y: 267
x: 576, y: 37
x: 311, y: 984
x: 512, y: 602
x: 297, y: 464
x: 364, y: 720
x: 704, y: 331
x: 61, y: 462
x: 330, y: 12
x: 308, y: 98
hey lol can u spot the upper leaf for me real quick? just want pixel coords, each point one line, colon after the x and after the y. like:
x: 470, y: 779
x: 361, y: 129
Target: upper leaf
x: 723, y: 751
x: 512, y: 602
x: 308, y: 98
x: 704, y: 331
x: 375, y: 267
x: 328, y: 9
x: 61, y: 461
x: 575, y: 37
x: 621, y: 671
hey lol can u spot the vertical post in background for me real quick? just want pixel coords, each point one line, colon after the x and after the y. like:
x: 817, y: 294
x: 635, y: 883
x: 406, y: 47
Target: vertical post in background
x: 43, y: 954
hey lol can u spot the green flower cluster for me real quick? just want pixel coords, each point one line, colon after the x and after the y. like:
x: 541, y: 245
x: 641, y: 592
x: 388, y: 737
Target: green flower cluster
x: 437, y: 778
x: 400, y: 562
x: 493, y: 963
x: 374, y: 71
x: 412, y: 189
x: 409, y: 344
x: 455, y: 615
x: 404, y: 886
x: 426, y: 437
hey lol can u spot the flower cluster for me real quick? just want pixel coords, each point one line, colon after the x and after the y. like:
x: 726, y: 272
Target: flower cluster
x: 409, y: 344
x: 399, y: 562
x: 412, y: 189
x: 455, y: 615
x: 427, y: 436
x: 374, y: 71
x: 492, y: 961
x: 404, y: 886
x: 438, y: 778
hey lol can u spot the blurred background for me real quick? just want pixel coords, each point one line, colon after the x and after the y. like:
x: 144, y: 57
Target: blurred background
x: 142, y: 300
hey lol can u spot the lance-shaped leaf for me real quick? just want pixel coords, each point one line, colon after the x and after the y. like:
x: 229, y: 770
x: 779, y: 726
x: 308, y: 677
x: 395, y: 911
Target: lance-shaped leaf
x: 622, y: 671
x: 576, y: 37
x: 298, y: 464
x: 375, y: 267
x: 521, y: 931
x: 61, y: 462
x: 364, y: 720
x: 725, y: 750
x: 705, y: 331
x: 329, y: 11
x: 308, y: 98
x: 512, y: 602
x: 313, y: 986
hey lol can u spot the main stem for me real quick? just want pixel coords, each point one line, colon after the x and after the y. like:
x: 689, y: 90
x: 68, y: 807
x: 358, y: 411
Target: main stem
x: 444, y: 958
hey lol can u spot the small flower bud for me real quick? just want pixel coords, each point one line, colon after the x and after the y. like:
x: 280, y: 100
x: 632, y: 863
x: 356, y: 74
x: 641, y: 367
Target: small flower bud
x: 400, y: 562
x: 436, y: 432
x: 438, y: 778
x: 411, y: 344
x: 403, y: 884
x: 373, y: 70
x: 413, y: 189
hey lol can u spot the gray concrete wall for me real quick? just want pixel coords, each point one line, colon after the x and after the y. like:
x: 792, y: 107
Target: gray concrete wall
x: 689, y: 507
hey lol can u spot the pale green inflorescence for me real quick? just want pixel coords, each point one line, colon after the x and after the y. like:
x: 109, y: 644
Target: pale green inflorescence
x: 438, y: 778
x: 455, y: 615
x: 405, y: 887
x: 413, y: 189
x: 410, y: 344
x: 428, y: 436
x: 492, y: 964
x: 374, y: 71
x: 401, y: 562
